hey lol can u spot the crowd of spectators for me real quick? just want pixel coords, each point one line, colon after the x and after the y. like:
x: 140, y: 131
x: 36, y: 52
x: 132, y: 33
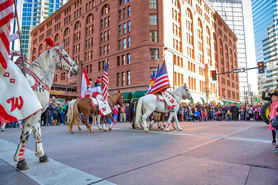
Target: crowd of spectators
x: 205, y: 112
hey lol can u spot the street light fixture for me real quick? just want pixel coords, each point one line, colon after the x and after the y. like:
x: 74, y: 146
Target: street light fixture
x: 168, y: 49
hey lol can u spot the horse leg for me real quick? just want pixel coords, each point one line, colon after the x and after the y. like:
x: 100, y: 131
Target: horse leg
x: 110, y: 116
x: 3, y: 127
x: 19, y: 154
x: 86, y: 122
x: 177, y: 121
x: 103, y: 123
x: 168, y: 122
x: 79, y: 128
x: 144, y: 118
x: 98, y: 122
x: 38, y: 137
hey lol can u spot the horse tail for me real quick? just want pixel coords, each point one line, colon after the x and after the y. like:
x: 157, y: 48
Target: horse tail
x: 70, y: 112
x: 138, y: 111
x: 75, y: 113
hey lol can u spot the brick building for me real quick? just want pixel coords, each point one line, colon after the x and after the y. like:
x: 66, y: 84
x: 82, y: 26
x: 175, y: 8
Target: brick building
x: 133, y: 36
x: 226, y: 60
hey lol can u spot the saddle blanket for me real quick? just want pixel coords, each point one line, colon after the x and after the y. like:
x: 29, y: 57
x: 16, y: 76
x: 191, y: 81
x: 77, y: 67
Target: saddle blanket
x: 17, y: 100
x: 104, y: 107
x: 169, y: 100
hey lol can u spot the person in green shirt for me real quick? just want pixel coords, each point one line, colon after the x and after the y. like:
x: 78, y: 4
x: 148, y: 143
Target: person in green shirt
x: 62, y: 111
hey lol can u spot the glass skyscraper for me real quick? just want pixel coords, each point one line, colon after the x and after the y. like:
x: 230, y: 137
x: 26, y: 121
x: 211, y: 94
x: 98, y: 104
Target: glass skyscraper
x: 33, y: 13
x: 231, y: 11
x: 265, y: 34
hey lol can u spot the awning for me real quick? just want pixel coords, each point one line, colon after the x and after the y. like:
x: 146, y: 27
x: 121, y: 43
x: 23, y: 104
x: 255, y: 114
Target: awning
x: 138, y: 94
x: 127, y: 97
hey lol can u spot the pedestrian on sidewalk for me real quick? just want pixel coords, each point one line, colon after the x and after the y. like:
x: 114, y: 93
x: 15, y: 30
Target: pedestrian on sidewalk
x: 115, y: 113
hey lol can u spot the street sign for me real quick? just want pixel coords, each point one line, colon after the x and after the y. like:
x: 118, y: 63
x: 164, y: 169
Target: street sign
x: 239, y: 70
x: 270, y: 65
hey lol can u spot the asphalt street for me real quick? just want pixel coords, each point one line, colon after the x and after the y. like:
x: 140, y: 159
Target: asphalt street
x: 203, y: 153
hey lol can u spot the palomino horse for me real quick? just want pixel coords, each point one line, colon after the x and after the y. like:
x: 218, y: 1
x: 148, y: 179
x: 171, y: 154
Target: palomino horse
x: 84, y: 106
x: 40, y: 76
x: 149, y: 104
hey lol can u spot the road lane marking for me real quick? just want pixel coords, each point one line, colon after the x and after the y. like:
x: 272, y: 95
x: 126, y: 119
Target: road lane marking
x: 197, y: 135
x: 49, y: 173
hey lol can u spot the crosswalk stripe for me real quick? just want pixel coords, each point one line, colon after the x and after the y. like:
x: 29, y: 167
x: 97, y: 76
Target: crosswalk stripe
x: 49, y: 173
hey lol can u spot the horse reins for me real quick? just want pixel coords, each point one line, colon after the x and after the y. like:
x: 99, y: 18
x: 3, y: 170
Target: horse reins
x: 62, y: 56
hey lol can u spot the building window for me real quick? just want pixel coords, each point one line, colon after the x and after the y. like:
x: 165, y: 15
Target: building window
x: 118, y: 61
x: 99, y: 66
x: 128, y: 42
x: 120, y: 29
x: 152, y: 4
x: 119, y: 44
x: 120, y: 15
x: 128, y: 25
x: 128, y: 77
x: 118, y: 79
x: 129, y: 11
x: 153, y: 19
x: 124, y: 13
x: 154, y: 53
x: 153, y: 36
x: 123, y: 78
x: 128, y: 58
x: 123, y: 59
x: 124, y: 43
x: 124, y: 28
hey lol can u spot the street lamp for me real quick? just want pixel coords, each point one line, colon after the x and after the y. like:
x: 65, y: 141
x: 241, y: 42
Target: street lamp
x: 168, y: 49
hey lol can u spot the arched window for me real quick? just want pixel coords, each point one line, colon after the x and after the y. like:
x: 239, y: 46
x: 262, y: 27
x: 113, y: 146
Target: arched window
x: 90, y: 18
x: 56, y: 38
x: 105, y: 9
x: 40, y: 47
x: 77, y: 25
x: 66, y: 32
x: 34, y: 51
x: 221, y: 47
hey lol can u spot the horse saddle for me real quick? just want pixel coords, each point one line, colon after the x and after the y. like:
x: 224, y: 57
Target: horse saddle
x: 159, y: 97
x: 94, y: 102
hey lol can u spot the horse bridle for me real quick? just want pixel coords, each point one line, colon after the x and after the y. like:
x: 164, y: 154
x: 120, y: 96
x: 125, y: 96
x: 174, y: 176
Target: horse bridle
x: 186, y: 90
x: 62, y: 56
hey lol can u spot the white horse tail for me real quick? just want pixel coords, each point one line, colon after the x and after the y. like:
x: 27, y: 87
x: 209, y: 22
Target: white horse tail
x: 75, y: 113
x: 70, y: 112
x: 138, y: 111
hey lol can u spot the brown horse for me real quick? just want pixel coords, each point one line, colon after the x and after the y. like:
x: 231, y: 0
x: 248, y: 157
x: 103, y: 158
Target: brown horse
x: 84, y: 106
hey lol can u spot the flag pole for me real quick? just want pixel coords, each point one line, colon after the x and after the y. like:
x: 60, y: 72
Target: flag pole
x: 23, y: 63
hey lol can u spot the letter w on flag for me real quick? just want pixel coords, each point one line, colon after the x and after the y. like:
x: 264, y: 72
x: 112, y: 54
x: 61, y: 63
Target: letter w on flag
x: 161, y: 82
x: 105, y: 80
x: 6, y: 14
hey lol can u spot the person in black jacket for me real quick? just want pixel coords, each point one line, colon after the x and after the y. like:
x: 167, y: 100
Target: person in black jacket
x: 268, y: 98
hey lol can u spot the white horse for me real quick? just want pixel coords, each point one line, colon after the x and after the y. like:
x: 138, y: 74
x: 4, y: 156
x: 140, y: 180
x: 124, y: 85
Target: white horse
x: 40, y: 77
x: 149, y: 104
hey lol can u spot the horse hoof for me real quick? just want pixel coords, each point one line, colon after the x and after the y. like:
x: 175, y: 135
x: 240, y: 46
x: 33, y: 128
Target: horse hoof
x: 180, y: 129
x: 72, y: 132
x: 175, y: 128
x: 79, y: 129
x: 167, y: 130
x: 44, y: 159
x: 100, y: 128
x: 146, y: 130
x: 110, y: 129
x: 22, y: 165
x: 2, y: 130
x: 104, y: 130
x: 91, y: 131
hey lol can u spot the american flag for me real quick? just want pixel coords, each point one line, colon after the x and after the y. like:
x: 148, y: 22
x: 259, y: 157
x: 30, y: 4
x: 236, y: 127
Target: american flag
x: 161, y: 82
x: 105, y: 81
x: 6, y: 14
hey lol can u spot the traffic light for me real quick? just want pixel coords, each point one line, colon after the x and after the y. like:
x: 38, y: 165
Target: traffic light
x: 213, y: 74
x: 261, y: 67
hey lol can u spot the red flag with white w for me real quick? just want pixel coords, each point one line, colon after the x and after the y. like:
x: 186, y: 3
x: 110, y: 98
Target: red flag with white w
x: 6, y: 14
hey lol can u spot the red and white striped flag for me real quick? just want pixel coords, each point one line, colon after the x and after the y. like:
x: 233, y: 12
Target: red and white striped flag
x: 84, y: 83
x: 105, y: 80
x: 6, y: 14
x: 161, y: 82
